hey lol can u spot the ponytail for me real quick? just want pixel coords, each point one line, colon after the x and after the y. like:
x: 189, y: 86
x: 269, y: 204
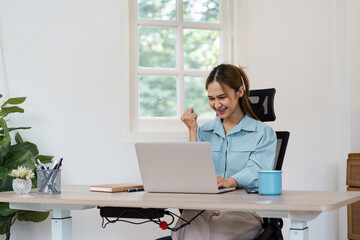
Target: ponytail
x: 244, y: 100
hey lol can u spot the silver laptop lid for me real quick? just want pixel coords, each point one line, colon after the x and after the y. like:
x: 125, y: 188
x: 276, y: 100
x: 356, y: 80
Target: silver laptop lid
x: 177, y: 167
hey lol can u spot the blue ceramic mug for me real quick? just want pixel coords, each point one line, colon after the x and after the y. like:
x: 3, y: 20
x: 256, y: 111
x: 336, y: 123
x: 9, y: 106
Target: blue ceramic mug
x: 270, y: 182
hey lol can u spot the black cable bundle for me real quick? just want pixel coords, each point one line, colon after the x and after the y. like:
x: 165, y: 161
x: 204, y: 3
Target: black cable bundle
x: 152, y: 215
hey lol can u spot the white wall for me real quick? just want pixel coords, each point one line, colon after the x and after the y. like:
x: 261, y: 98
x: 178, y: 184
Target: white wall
x: 354, y: 72
x: 290, y: 45
x: 66, y: 56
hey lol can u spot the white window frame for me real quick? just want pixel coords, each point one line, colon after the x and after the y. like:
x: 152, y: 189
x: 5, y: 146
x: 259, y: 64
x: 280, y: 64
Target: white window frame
x: 134, y: 128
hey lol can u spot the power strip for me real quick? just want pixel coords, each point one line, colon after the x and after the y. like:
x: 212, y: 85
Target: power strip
x: 124, y: 212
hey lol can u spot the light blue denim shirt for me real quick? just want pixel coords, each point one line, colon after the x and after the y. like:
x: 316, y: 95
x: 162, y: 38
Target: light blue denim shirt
x: 247, y: 148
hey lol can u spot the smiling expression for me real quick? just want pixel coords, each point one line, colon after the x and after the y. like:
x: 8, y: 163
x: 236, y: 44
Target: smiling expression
x: 224, y: 100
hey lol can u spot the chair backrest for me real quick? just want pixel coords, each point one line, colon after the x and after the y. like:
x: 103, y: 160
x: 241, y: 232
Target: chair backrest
x: 262, y: 104
x: 281, y: 144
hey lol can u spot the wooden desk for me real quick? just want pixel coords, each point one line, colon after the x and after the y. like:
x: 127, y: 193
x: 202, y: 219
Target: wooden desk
x: 299, y: 206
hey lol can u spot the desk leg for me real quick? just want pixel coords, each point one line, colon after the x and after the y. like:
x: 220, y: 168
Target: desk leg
x: 61, y: 225
x: 299, y: 230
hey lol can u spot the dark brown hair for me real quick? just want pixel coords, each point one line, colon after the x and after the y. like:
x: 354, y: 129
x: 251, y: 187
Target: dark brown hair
x: 233, y: 77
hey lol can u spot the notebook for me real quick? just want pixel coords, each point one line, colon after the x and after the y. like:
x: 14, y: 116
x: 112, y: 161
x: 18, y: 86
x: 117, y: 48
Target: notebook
x: 120, y: 187
x: 177, y: 167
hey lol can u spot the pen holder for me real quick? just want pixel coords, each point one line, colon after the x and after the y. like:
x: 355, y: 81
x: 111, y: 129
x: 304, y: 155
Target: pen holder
x: 49, y: 181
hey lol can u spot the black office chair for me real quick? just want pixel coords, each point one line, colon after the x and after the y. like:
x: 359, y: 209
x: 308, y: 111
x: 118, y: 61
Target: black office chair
x: 262, y: 104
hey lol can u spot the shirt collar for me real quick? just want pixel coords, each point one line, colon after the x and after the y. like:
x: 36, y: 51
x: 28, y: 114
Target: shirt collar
x: 246, y: 123
x: 215, y: 125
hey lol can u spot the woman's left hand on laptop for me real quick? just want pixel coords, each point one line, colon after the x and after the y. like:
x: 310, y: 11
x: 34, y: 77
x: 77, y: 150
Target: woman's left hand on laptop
x: 225, y: 182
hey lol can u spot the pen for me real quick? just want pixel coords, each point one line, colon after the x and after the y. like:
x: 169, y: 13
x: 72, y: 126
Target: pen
x: 135, y: 190
x: 60, y: 163
x: 55, y: 164
x: 41, y: 165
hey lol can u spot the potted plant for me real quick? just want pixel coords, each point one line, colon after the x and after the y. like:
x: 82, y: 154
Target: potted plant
x: 22, y: 179
x: 12, y: 155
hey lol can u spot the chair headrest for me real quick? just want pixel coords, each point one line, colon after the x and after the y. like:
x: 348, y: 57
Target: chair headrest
x: 262, y: 103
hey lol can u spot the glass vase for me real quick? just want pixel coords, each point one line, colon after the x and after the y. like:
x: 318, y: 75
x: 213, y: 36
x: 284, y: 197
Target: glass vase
x: 21, y: 185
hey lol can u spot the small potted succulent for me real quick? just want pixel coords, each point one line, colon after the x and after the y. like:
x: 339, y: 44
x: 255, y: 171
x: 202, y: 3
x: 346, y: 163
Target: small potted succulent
x: 22, y: 182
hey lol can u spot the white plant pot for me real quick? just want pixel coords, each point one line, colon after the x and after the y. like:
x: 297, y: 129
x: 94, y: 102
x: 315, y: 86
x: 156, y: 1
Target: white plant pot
x: 21, y: 185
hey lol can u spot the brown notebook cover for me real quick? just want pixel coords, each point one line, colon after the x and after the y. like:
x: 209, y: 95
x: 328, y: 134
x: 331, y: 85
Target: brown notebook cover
x: 121, y: 187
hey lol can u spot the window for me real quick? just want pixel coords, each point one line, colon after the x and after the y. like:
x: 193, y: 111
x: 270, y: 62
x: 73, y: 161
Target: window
x: 173, y: 46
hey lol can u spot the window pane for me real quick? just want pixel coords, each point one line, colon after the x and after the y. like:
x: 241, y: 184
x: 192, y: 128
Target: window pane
x: 157, y: 96
x: 157, y: 47
x: 196, y: 97
x: 201, y: 11
x: 201, y: 49
x: 157, y: 9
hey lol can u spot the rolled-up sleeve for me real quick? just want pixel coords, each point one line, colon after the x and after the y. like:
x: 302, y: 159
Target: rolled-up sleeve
x: 262, y: 158
x: 199, y: 135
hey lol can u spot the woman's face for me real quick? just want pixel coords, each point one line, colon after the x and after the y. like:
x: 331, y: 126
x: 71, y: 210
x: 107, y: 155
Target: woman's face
x: 223, y: 99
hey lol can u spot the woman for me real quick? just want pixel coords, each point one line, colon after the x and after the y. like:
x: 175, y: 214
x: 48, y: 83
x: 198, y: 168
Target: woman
x: 241, y: 146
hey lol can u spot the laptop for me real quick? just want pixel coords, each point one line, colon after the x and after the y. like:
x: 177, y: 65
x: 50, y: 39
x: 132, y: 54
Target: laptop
x: 186, y: 167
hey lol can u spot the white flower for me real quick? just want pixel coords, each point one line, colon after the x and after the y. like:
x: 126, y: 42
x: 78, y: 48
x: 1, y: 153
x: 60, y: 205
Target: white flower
x: 22, y: 173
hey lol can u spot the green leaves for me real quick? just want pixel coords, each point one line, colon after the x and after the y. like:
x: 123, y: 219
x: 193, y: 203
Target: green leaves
x: 24, y: 158
x: 2, y: 175
x: 5, y: 210
x: 18, y: 138
x: 25, y: 146
x: 5, y: 130
x: 32, y: 216
x: 12, y: 109
x: 6, y: 110
x: 21, y: 153
x: 5, y: 224
x: 44, y: 158
x: 14, y: 101
x: 5, y: 141
x: 16, y: 128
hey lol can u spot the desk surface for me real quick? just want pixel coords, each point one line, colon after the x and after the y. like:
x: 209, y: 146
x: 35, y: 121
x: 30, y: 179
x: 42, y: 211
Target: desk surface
x: 312, y: 201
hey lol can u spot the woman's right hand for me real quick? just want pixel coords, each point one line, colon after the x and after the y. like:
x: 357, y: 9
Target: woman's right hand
x: 189, y: 118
